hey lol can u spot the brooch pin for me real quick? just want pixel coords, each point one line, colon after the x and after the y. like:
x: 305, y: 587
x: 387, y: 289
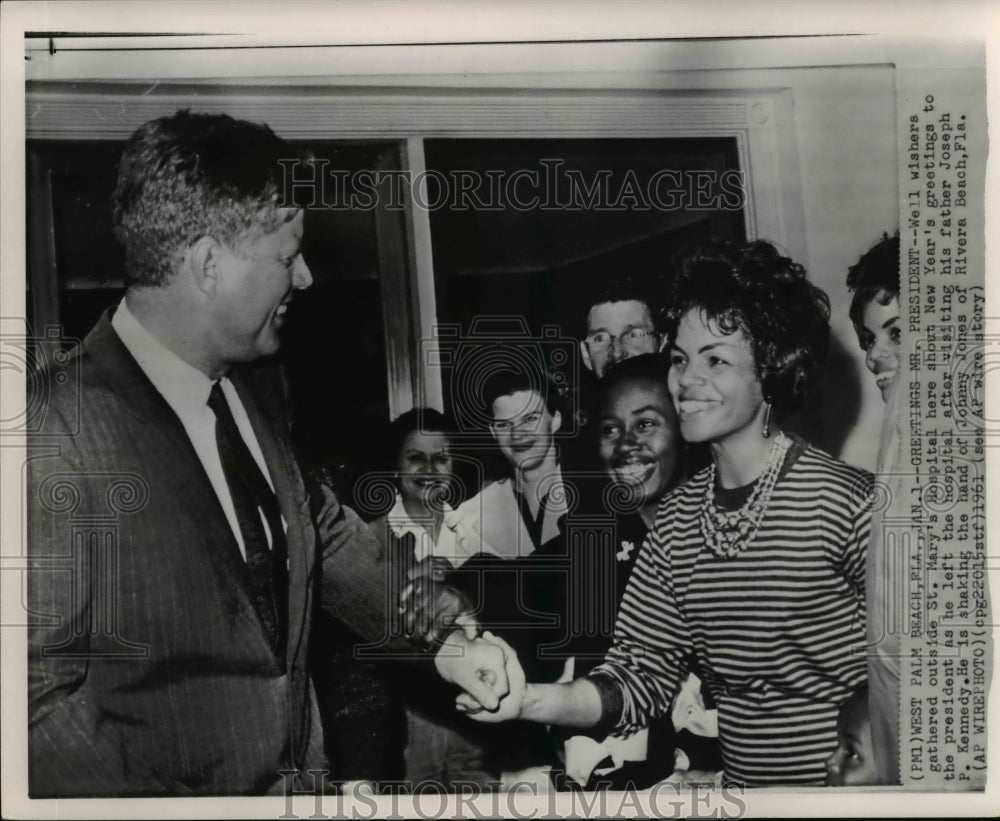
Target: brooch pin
x: 626, y: 551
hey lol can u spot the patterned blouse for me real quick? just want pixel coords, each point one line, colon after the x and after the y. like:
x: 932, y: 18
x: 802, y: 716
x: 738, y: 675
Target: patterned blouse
x: 778, y: 630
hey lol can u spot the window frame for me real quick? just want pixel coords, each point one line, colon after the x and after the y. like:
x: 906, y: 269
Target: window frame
x: 760, y: 121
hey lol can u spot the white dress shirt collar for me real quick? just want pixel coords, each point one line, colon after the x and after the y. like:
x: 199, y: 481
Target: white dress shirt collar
x: 182, y: 385
x: 186, y: 391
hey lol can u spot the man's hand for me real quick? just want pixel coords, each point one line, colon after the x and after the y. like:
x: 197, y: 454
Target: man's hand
x: 431, y: 608
x: 477, y: 666
x: 434, y: 567
x: 508, y: 707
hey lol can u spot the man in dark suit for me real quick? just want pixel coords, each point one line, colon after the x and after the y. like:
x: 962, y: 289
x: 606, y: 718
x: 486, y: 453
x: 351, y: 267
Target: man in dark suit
x: 175, y: 559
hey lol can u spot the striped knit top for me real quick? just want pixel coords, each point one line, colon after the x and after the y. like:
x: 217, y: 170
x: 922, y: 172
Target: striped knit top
x: 778, y: 629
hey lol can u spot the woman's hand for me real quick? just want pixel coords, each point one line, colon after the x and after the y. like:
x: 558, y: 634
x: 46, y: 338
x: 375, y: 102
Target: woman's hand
x: 512, y: 704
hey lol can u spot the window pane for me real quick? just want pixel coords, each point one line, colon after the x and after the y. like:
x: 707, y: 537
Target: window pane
x: 527, y: 227
x: 334, y: 346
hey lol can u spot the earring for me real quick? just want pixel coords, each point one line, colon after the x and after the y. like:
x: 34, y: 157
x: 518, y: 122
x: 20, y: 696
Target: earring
x: 766, y: 430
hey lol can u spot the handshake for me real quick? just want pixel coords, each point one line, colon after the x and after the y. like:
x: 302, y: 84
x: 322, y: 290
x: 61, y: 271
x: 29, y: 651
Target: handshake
x: 484, y: 666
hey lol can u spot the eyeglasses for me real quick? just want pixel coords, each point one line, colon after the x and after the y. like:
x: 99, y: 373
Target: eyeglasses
x: 632, y: 340
x: 531, y: 421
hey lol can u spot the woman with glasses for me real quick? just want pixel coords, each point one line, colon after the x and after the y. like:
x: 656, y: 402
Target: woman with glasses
x: 511, y: 518
x: 520, y: 512
x: 756, y: 564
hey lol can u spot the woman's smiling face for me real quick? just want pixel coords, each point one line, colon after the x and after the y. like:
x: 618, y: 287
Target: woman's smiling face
x: 639, y: 441
x: 880, y: 336
x: 713, y: 381
x: 425, y: 467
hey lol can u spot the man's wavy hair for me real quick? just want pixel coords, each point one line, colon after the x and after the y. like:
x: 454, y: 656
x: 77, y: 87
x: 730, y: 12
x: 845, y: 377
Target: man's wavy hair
x: 620, y: 287
x: 187, y: 176
x: 752, y: 288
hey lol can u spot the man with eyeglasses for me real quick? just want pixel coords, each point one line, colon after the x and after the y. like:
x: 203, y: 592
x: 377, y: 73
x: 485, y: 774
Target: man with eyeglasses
x: 620, y: 323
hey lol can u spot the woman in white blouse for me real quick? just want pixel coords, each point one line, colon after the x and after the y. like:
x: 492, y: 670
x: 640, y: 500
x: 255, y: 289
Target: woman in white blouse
x: 419, y: 532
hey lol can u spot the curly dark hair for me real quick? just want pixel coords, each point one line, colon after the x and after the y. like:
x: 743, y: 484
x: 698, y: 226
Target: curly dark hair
x: 191, y: 175
x: 422, y: 419
x: 751, y: 287
x: 873, y: 277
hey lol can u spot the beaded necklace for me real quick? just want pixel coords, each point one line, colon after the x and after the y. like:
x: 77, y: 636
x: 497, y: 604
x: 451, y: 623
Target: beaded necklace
x: 729, y: 532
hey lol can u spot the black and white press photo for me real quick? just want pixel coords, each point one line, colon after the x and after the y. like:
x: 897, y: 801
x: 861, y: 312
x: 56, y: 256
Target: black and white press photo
x: 484, y: 410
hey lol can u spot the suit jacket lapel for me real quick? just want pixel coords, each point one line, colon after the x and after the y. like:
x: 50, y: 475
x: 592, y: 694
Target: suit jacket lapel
x: 189, y: 484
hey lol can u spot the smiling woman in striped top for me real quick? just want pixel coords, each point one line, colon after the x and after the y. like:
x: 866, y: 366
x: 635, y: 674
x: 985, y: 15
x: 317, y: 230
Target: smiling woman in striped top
x: 756, y: 565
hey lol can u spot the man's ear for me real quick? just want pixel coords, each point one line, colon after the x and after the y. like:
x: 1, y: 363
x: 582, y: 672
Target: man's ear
x: 664, y: 339
x: 203, y: 257
x: 585, y: 353
x: 556, y: 421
